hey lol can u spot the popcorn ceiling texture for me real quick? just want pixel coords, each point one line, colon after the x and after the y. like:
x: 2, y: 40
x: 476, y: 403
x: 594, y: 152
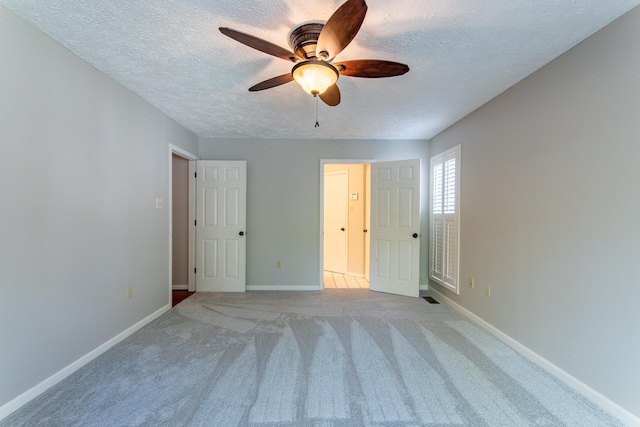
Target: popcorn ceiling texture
x: 461, y: 54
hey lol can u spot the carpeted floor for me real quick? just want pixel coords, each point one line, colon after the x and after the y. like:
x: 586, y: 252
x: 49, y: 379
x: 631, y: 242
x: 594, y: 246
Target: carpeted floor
x: 332, y: 358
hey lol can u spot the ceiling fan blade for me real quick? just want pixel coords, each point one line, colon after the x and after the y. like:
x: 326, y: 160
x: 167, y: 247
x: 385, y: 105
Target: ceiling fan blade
x: 340, y: 29
x: 371, y: 68
x: 331, y: 96
x: 260, y: 44
x: 273, y: 82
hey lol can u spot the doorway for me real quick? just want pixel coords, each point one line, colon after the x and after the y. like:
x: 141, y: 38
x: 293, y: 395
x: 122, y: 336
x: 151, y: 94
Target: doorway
x: 181, y: 216
x: 220, y: 266
x: 344, y: 225
x: 179, y: 223
x: 391, y: 239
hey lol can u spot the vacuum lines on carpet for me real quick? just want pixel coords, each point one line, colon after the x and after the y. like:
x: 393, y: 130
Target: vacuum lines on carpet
x: 331, y: 358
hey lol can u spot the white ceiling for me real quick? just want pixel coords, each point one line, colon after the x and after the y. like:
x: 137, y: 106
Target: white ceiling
x: 461, y: 53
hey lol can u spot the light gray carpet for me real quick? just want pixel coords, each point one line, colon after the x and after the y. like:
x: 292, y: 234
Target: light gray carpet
x: 332, y: 358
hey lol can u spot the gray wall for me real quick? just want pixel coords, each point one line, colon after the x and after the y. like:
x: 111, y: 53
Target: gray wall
x: 551, y: 209
x: 283, y: 199
x: 82, y: 161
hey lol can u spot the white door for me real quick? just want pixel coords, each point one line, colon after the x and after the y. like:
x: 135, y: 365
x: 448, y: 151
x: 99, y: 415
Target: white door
x: 336, y: 205
x: 395, y: 227
x: 220, y: 226
x: 367, y: 221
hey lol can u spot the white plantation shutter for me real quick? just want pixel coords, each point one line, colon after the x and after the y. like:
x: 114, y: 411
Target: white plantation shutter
x: 445, y: 214
x: 449, y: 184
x: 437, y: 187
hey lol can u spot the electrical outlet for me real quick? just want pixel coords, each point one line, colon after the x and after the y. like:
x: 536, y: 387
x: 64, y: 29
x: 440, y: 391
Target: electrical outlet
x: 471, y: 283
x: 278, y: 264
x: 487, y: 290
x: 130, y: 292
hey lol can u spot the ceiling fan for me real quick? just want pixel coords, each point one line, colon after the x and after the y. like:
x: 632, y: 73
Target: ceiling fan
x: 315, y: 45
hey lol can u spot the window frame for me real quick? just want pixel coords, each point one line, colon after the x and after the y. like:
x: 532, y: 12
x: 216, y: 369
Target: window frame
x: 439, y: 221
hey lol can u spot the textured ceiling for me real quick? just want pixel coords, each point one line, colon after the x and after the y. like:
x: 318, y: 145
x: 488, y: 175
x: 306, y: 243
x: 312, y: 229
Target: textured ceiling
x: 462, y: 53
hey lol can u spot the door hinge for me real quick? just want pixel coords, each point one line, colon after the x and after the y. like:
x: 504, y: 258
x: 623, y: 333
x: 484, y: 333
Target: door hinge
x: 195, y: 270
x: 195, y: 222
x: 195, y: 174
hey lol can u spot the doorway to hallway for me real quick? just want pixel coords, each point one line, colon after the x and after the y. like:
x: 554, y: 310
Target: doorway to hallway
x: 389, y: 234
x: 344, y: 224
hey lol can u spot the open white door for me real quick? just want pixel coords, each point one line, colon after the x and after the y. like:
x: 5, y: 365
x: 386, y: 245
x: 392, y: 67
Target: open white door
x: 395, y: 227
x: 367, y: 222
x: 220, y: 226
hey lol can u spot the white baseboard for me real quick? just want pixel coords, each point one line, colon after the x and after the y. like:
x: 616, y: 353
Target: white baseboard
x: 15, y: 404
x: 604, y: 402
x: 283, y: 288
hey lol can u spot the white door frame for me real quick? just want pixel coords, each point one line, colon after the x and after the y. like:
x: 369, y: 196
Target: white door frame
x: 174, y: 150
x: 331, y: 162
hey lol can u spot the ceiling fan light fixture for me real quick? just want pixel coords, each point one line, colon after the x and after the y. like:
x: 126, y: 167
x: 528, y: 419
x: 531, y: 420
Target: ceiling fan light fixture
x: 314, y: 76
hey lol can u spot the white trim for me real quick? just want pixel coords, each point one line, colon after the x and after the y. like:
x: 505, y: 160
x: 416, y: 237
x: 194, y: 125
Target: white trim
x: 15, y: 404
x: 182, y: 153
x: 445, y: 285
x: 173, y: 149
x: 191, y: 285
x: 283, y: 288
x: 604, y: 402
x: 321, y: 222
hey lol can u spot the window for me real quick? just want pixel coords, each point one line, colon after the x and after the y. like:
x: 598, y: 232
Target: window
x: 445, y: 218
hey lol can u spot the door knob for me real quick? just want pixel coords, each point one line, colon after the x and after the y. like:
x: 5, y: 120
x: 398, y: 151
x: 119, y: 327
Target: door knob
x: 241, y: 233
x: 342, y: 229
x: 415, y: 235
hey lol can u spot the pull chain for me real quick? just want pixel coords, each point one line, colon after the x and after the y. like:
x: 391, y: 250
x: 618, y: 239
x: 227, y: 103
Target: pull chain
x: 317, y: 124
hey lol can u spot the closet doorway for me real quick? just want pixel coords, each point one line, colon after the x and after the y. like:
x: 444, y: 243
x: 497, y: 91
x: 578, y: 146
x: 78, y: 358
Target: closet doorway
x: 181, y: 216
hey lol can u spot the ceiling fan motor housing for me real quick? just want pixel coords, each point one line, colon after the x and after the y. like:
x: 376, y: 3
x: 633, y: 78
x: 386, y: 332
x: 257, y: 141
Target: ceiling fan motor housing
x: 304, y: 38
